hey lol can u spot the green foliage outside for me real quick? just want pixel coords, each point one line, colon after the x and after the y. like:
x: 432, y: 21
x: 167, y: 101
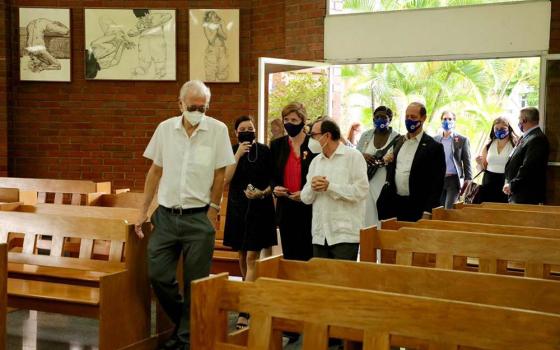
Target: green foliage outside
x: 305, y: 87
x: 355, y: 6
x: 477, y: 91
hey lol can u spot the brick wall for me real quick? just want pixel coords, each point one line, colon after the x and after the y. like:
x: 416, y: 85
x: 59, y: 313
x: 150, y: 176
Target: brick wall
x: 98, y: 129
x: 552, y: 109
x: 4, y: 23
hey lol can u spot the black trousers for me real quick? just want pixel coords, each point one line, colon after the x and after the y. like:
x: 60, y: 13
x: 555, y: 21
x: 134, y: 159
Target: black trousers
x: 340, y: 251
x: 407, y: 209
x: 294, y: 221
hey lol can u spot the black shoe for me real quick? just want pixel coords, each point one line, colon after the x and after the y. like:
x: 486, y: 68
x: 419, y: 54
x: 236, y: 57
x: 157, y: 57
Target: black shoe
x: 183, y: 346
x: 172, y: 343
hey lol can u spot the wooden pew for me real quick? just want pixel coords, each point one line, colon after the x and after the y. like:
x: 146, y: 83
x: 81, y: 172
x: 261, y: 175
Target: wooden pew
x: 3, y: 296
x: 393, y: 224
x: 471, y: 263
x: 115, y: 291
x: 499, y: 216
x: 359, y: 315
x: 478, y: 288
x: 536, y: 253
x: 76, y: 192
x: 511, y: 206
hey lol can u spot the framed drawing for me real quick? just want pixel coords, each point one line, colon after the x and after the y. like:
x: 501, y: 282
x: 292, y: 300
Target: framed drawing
x: 214, y: 45
x: 130, y: 44
x: 44, y: 44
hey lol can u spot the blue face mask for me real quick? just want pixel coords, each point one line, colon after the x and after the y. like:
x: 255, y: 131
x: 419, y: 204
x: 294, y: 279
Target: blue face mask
x: 448, y: 124
x: 381, y: 123
x: 501, y: 133
x: 520, y: 126
x: 412, y: 125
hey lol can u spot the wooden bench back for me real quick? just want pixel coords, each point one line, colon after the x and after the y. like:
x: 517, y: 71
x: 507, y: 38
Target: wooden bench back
x: 75, y: 192
x: 9, y: 195
x: 393, y: 224
x: 537, y: 253
x: 511, y: 206
x: 499, y: 216
x: 120, y: 200
x: 3, y: 293
x: 62, y: 227
x: 478, y: 288
x: 332, y: 311
x: 128, y: 214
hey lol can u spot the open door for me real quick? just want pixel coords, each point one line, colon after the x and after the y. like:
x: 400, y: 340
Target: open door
x: 271, y: 66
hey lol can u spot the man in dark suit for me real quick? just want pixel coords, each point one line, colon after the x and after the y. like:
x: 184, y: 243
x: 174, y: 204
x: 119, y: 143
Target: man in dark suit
x: 458, y: 172
x: 526, y: 167
x: 417, y: 171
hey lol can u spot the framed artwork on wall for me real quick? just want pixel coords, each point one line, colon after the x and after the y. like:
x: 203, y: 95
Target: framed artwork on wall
x: 130, y: 44
x: 214, y: 45
x: 44, y: 44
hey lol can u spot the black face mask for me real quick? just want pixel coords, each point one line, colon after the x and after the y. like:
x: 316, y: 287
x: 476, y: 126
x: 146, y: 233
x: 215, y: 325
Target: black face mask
x: 293, y: 129
x: 246, y: 136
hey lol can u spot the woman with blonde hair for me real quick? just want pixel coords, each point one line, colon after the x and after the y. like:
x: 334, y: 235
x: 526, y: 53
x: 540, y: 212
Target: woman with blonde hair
x: 492, y: 161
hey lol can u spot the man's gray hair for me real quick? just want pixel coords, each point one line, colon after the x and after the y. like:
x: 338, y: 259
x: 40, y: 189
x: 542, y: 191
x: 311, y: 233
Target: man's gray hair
x: 196, y: 89
x: 531, y: 114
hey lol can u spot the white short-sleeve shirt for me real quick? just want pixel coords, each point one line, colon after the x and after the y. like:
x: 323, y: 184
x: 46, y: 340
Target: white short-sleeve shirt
x: 189, y: 162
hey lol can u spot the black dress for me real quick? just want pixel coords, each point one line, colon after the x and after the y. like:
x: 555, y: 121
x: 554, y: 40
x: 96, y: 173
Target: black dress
x: 250, y: 224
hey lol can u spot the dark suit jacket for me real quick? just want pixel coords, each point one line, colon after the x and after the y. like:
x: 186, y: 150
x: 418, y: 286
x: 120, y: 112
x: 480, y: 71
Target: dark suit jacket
x: 461, y: 155
x: 526, y: 169
x: 280, y: 151
x: 426, y: 175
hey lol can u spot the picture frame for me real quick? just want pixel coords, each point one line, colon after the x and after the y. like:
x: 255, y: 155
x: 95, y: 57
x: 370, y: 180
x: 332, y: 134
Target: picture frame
x: 45, y: 45
x: 214, y: 45
x: 130, y: 44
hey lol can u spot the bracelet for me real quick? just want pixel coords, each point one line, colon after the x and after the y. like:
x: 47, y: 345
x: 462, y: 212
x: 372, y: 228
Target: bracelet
x: 215, y: 206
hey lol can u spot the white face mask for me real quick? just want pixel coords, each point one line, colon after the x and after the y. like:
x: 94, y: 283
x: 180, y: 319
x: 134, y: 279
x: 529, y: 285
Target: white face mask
x: 193, y: 117
x: 315, y: 146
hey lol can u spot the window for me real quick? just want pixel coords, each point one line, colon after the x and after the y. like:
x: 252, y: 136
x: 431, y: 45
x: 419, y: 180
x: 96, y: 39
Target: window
x: 338, y: 7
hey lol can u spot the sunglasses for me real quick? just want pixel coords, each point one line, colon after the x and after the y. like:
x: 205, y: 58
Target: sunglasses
x: 194, y: 108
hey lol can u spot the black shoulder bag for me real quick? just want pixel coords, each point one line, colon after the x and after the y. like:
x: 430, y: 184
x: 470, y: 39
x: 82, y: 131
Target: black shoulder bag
x: 378, y: 161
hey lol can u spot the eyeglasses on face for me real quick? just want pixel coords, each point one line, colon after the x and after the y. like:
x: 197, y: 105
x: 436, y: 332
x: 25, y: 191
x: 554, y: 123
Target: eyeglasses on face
x: 195, y: 108
x: 313, y: 134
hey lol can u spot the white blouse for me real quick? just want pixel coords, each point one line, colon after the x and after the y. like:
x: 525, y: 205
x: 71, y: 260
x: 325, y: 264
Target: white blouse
x: 497, y: 160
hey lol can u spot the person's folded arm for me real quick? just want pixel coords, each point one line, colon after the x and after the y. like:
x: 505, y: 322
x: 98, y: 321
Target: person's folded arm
x: 358, y: 187
x: 307, y: 194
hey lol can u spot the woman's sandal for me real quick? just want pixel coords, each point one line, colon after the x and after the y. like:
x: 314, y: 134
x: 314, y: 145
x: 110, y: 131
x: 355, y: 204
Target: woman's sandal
x: 242, y: 321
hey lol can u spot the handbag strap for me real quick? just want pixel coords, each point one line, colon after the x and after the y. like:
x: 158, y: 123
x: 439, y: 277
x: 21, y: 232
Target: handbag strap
x: 391, y: 144
x: 477, y: 175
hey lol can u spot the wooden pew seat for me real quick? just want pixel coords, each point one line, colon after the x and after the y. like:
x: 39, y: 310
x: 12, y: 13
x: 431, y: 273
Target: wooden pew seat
x: 538, y: 254
x: 82, y: 286
x: 358, y: 314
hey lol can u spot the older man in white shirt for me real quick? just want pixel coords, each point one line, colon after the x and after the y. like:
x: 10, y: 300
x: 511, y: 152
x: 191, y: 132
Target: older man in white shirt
x: 337, y: 186
x: 189, y: 154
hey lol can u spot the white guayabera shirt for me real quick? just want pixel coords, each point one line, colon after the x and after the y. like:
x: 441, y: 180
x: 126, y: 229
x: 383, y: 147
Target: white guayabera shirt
x: 189, y: 162
x: 338, y: 213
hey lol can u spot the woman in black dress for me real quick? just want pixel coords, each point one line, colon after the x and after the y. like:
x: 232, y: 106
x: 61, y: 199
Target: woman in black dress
x: 250, y: 222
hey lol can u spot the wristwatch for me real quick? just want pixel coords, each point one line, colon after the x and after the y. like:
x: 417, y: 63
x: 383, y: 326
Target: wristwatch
x: 215, y: 206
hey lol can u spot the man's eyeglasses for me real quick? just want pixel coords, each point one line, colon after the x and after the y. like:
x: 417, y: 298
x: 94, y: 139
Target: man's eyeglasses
x: 194, y: 108
x: 313, y: 134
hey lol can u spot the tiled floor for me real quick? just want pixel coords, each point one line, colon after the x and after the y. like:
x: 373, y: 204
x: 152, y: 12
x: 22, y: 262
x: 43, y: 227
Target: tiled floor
x: 32, y: 330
